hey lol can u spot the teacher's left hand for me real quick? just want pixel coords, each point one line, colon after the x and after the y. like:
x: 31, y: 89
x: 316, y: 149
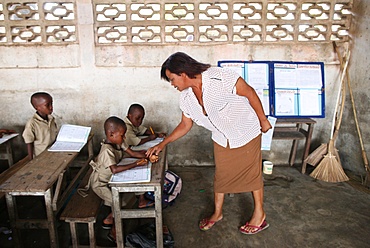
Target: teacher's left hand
x: 265, y: 126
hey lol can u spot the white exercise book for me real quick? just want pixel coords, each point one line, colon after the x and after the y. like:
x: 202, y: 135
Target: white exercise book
x: 147, y: 145
x: 139, y: 174
x: 267, y: 137
x: 7, y: 137
x: 71, y: 138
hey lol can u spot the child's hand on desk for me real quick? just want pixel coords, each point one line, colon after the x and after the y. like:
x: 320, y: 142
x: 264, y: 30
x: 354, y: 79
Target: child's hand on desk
x: 153, y: 158
x: 161, y: 135
x: 153, y: 136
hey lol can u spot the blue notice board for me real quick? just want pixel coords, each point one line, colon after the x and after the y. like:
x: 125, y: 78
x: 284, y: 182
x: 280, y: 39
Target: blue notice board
x: 286, y: 89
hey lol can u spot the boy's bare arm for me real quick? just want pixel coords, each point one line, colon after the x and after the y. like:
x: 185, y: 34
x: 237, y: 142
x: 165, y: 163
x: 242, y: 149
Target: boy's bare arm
x: 30, y: 150
x: 136, y: 154
x: 115, y: 168
x: 154, y: 134
x: 149, y: 138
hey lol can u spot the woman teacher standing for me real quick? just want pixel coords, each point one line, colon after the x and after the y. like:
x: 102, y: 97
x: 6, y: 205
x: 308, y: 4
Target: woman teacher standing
x: 222, y: 102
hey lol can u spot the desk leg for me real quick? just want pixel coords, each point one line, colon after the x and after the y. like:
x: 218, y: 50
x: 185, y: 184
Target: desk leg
x: 117, y: 217
x: 307, y: 147
x: 11, y: 205
x: 73, y: 227
x: 51, y: 219
x: 57, y: 190
x: 293, y: 151
x: 158, y: 216
x: 90, y: 149
x: 9, y: 153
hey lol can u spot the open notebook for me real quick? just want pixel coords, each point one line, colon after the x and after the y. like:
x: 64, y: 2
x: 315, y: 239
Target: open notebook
x: 7, y: 137
x: 71, y: 138
x: 138, y: 174
x: 147, y: 145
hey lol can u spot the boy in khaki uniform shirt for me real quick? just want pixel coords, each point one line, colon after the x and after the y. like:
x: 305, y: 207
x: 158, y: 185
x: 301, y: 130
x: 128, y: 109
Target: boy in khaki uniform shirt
x: 41, y: 130
x: 105, y: 165
x: 134, y: 120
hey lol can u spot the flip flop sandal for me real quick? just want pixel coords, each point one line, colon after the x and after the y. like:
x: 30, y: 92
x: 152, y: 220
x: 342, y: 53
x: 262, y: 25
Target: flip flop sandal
x: 255, y: 229
x: 106, y: 226
x: 206, y: 224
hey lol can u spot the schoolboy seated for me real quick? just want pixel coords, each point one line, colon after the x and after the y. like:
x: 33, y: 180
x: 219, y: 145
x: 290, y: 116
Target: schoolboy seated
x: 41, y: 130
x: 134, y: 120
x: 105, y: 164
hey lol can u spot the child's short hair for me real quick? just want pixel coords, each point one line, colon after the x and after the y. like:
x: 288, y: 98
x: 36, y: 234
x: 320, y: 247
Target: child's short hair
x: 113, y: 123
x: 134, y: 107
x: 36, y: 96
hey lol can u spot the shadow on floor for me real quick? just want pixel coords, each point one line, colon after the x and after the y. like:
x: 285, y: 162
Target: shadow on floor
x: 301, y: 211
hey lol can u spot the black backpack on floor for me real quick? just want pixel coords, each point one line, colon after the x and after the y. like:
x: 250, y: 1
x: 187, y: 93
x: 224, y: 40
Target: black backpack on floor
x: 144, y: 237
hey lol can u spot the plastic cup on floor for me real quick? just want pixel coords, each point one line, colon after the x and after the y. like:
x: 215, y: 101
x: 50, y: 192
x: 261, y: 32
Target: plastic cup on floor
x: 267, y: 167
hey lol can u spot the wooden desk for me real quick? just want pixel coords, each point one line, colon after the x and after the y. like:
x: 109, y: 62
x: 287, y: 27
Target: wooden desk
x: 42, y: 176
x: 156, y: 185
x: 293, y: 129
x: 6, y: 141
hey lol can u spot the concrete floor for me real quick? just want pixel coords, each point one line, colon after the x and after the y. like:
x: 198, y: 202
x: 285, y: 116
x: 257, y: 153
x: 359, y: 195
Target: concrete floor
x: 301, y: 211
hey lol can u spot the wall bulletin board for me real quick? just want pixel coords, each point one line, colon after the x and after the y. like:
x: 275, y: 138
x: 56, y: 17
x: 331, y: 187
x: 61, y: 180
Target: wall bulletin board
x: 286, y: 89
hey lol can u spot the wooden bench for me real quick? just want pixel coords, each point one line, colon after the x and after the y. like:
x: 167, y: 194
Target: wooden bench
x: 82, y: 210
x: 5, y: 175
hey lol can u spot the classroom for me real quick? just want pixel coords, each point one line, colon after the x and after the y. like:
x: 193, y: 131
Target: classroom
x: 97, y: 57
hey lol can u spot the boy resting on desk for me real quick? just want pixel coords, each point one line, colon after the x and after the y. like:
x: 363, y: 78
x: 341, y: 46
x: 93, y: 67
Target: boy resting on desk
x: 41, y: 130
x: 134, y: 120
x: 105, y: 164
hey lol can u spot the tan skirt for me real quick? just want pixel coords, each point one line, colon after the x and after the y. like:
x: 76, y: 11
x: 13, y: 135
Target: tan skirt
x: 239, y: 169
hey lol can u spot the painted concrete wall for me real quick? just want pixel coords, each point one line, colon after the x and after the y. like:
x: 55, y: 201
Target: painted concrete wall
x: 348, y: 141
x: 91, y: 83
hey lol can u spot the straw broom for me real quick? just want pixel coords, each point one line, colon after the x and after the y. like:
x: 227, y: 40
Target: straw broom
x: 330, y: 168
x: 317, y: 155
x: 363, y: 152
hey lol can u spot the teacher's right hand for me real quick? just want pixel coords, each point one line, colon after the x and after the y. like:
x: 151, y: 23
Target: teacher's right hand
x: 153, y: 150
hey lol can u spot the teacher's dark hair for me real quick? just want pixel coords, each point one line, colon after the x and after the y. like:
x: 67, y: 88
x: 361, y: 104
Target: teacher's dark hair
x: 182, y: 63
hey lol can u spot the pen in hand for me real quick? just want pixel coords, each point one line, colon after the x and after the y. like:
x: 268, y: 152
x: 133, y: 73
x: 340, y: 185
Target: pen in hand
x: 151, y: 129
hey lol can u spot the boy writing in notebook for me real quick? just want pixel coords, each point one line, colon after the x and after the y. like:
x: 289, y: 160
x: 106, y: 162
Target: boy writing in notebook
x: 41, y: 130
x: 105, y: 164
x: 134, y: 120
